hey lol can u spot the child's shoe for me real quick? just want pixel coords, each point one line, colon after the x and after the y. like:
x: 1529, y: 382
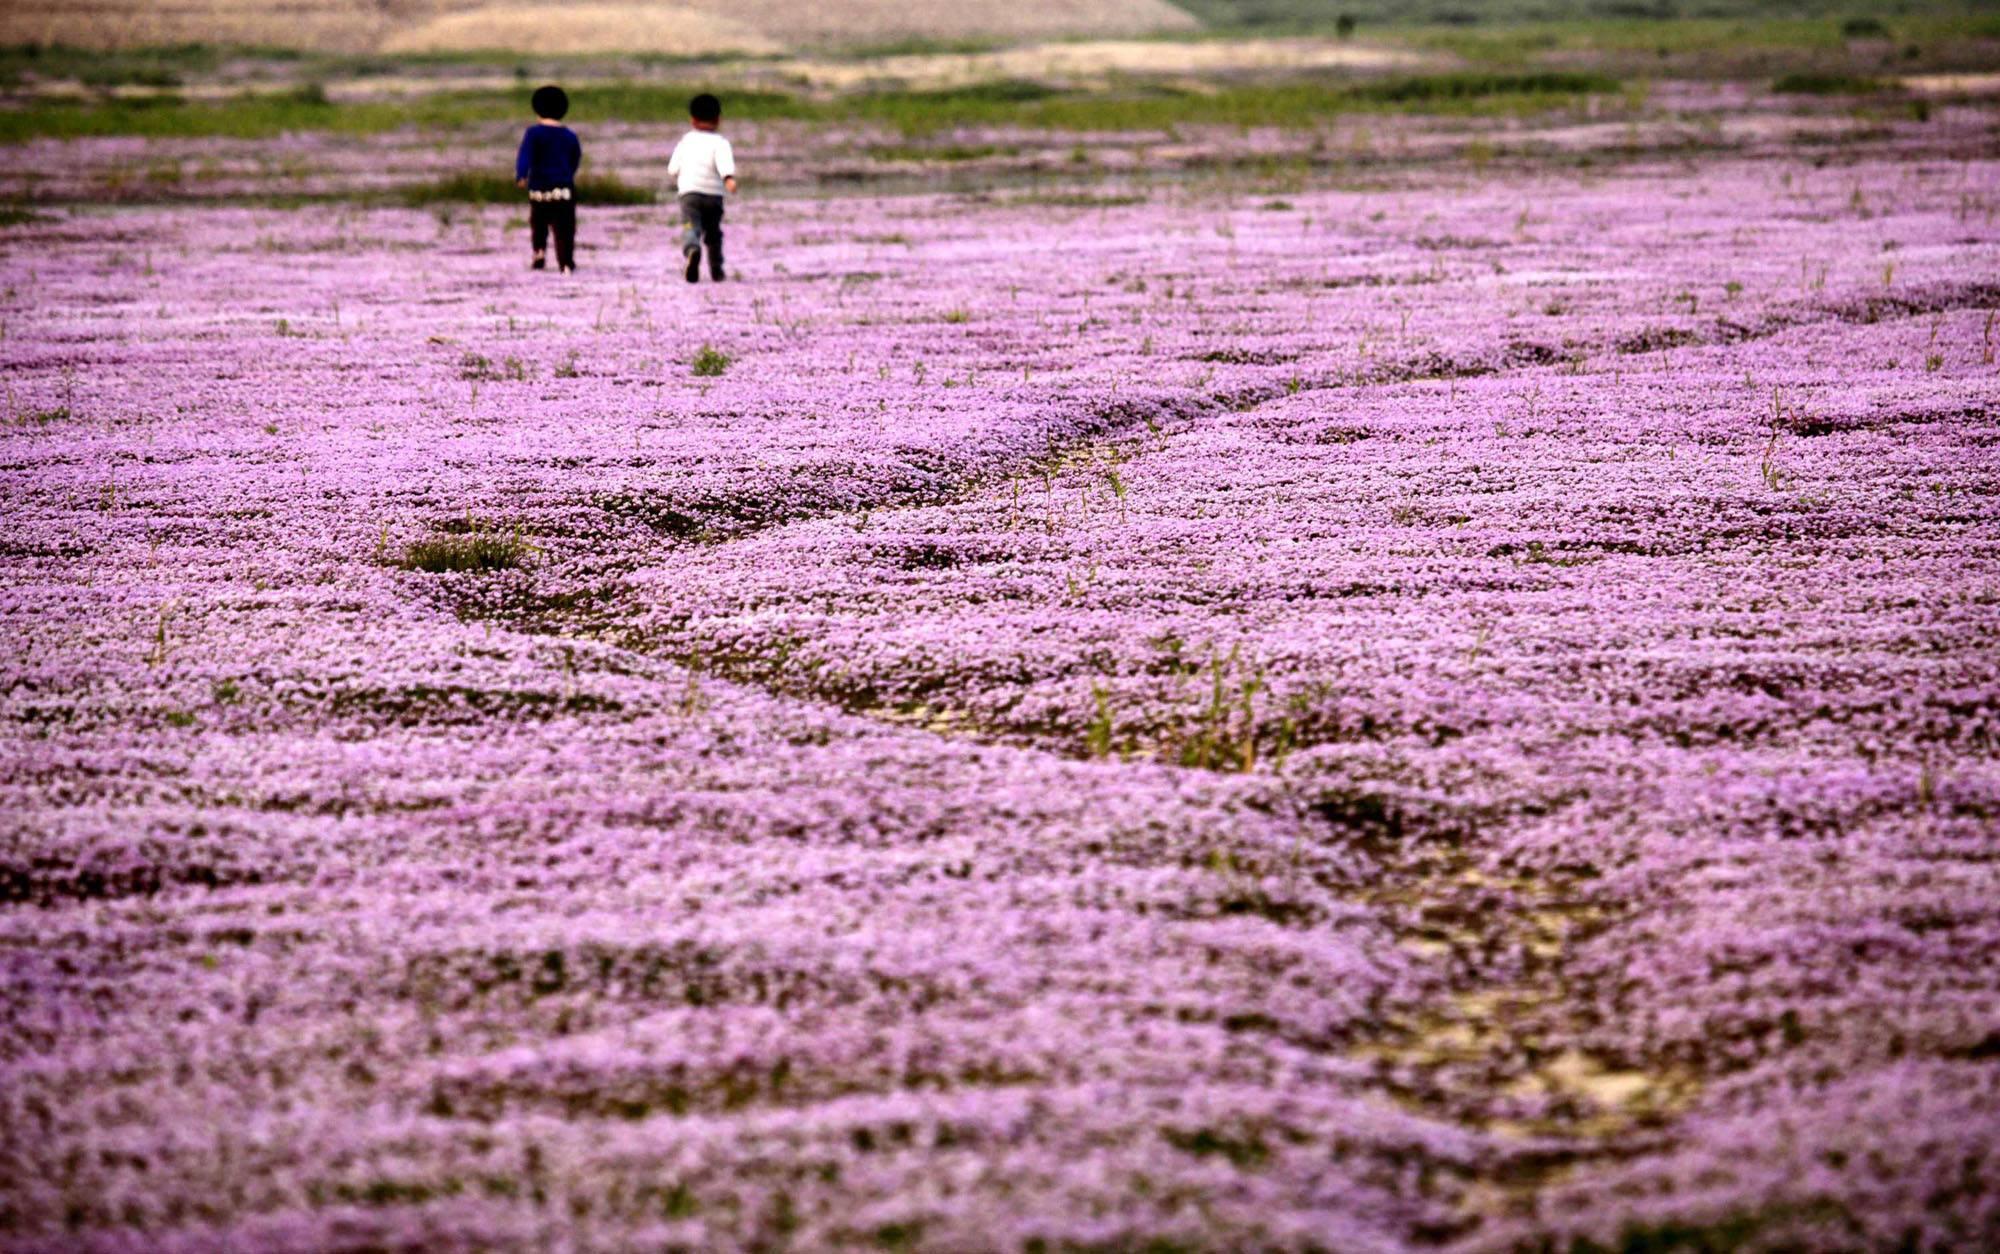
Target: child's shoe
x: 694, y: 265
x: 716, y: 276
x: 539, y: 263
x: 569, y: 269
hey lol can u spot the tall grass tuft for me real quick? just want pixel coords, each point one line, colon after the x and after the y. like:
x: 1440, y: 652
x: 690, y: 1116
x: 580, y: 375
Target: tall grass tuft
x: 709, y: 362
x: 1427, y: 88
x: 468, y: 548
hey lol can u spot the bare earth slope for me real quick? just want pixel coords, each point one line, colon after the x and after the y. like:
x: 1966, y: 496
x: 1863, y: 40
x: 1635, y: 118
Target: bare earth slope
x: 695, y: 28
x: 585, y: 28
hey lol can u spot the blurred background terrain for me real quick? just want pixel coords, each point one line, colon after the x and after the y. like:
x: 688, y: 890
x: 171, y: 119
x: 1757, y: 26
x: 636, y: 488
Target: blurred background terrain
x: 72, y: 68
x: 709, y: 28
x: 870, y: 95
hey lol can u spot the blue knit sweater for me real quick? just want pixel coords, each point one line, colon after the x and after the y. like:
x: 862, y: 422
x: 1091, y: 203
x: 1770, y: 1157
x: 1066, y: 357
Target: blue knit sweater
x: 548, y: 158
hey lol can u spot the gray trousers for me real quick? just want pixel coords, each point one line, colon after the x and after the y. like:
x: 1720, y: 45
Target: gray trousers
x: 703, y: 215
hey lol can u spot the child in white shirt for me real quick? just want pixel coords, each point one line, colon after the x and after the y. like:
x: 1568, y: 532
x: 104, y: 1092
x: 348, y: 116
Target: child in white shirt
x: 705, y: 168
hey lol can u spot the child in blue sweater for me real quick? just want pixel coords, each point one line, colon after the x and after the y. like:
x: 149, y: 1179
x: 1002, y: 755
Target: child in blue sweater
x: 546, y: 166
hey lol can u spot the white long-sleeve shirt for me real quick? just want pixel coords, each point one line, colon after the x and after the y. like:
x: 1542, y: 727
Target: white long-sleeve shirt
x: 701, y: 161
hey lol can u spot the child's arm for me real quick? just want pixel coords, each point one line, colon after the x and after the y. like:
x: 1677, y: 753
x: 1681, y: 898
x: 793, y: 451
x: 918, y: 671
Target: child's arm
x: 725, y: 165
x: 521, y: 162
x: 674, y: 162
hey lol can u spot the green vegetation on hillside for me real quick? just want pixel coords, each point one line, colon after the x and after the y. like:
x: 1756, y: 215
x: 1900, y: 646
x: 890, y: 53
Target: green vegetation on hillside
x: 1810, y: 84
x: 1517, y: 56
x: 480, y: 187
x: 1324, y: 15
x: 138, y: 67
x: 1716, y: 46
x: 1156, y: 107
x: 1688, y: 38
x: 257, y: 114
x: 1032, y: 105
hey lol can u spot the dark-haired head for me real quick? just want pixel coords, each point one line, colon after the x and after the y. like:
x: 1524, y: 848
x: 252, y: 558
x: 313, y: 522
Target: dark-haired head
x: 705, y: 108
x: 550, y: 102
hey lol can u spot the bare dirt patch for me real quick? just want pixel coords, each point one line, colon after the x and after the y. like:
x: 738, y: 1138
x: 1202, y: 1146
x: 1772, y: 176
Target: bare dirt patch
x: 326, y: 25
x: 853, y: 23
x: 1097, y: 60
x: 1953, y: 84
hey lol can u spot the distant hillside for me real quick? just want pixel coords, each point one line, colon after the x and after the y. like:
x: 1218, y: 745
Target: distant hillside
x: 687, y: 27
x: 1315, y: 15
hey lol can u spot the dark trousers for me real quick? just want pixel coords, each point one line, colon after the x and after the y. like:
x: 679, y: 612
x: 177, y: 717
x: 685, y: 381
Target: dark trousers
x: 703, y: 215
x: 559, y: 216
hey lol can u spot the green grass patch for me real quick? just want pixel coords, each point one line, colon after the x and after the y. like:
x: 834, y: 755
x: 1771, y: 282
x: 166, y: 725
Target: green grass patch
x: 257, y: 115
x: 917, y: 46
x: 469, y: 548
x: 914, y: 113
x: 941, y: 152
x: 477, y: 187
x: 922, y: 112
x: 1242, y: 1150
x: 655, y: 102
x: 1818, y: 83
x: 1323, y: 16
x: 709, y: 362
x: 1706, y: 45
x: 1429, y: 88
x: 468, y: 187
x: 1296, y: 103
x: 245, y: 117
x: 609, y: 189
x: 1079, y: 200
x: 139, y: 67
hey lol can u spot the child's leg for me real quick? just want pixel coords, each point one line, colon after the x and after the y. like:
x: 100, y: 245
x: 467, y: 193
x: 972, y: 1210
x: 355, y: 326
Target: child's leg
x: 691, y: 220
x: 565, y: 228
x: 691, y: 235
x: 538, y: 225
x: 711, y: 231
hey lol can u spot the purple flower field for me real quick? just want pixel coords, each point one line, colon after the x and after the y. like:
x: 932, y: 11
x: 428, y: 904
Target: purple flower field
x: 1463, y: 713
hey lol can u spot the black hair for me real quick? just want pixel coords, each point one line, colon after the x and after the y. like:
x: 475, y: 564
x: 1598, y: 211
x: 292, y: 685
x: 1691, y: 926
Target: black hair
x: 550, y: 102
x: 705, y: 108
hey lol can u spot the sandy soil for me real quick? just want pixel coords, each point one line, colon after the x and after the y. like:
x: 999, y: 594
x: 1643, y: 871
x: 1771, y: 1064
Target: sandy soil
x: 859, y: 23
x: 584, y: 29
x: 320, y: 25
x: 1100, y: 59
x: 1953, y: 84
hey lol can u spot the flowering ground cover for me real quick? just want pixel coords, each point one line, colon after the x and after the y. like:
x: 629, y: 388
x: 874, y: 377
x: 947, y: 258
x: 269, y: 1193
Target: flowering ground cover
x: 1461, y: 712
